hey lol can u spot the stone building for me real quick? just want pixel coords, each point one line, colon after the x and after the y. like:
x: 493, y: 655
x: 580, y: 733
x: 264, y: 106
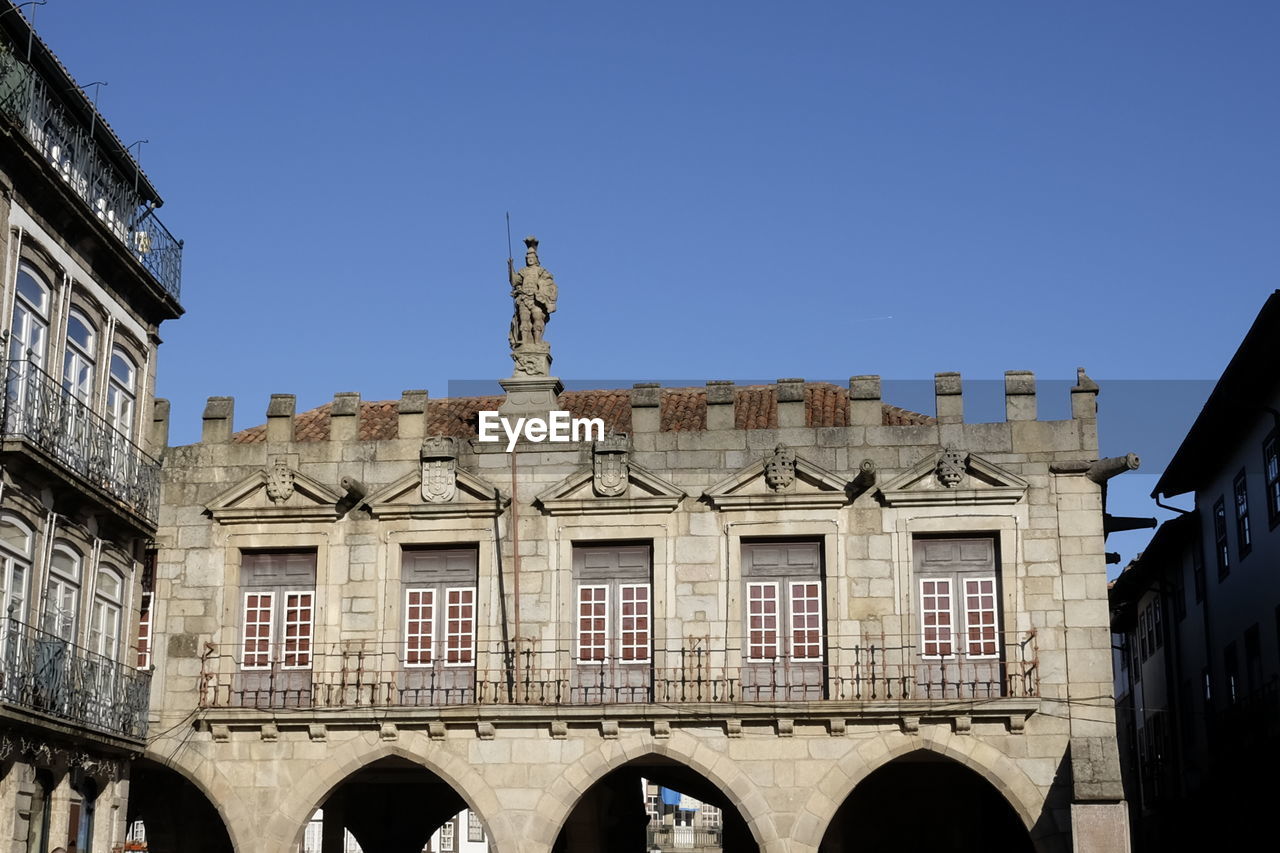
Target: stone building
x: 1199, y: 616
x: 87, y: 274
x: 820, y: 613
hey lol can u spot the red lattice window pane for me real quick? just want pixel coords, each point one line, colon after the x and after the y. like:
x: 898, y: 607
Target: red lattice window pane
x: 297, y: 629
x: 593, y: 622
x: 762, y: 621
x: 257, y: 630
x: 806, y: 621
x: 460, y: 625
x: 935, y: 616
x: 980, y: 616
x: 144, y: 633
x: 634, y: 615
x: 419, y: 620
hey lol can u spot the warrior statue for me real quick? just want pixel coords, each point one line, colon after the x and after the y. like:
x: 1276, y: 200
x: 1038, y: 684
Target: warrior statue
x: 534, y: 292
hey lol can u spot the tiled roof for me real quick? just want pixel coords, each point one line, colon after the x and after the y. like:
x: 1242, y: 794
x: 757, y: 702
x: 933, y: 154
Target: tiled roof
x: 755, y: 407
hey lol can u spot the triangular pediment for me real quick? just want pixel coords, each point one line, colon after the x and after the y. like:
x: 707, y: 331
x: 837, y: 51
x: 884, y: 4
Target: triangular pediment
x: 301, y: 499
x: 474, y: 497
x: 977, y: 482
x: 811, y: 487
x: 646, y: 492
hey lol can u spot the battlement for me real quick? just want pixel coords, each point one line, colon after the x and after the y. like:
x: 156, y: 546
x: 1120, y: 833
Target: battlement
x: 646, y: 409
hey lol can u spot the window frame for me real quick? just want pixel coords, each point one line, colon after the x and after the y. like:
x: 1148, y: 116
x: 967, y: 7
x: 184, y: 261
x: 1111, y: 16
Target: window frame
x: 35, y: 351
x: 1271, y: 476
x: 12, y: 559
x: 145, y: 603
x: 961, y: 619
x: 752, y: 655
x: 413, y: 657
x: 783, y: 580
x: 1220, y: 545
x: 86, y: 355
x: 1244, y: 535
x: 274, y: 582
x: 607, y: 635
x: 994, y: 610
x: 122, y: 401
x: 270, y: 595
x: 434, y: 646
x: 70, y: 586
x: 105, y: 605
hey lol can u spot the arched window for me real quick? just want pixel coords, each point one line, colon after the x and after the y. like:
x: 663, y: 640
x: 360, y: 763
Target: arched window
x: 122, y: 392
x: 29, y: 334
x: 15, y: 567
x: 104, y: 627
x: 79, y: 361
x: 62, y: 595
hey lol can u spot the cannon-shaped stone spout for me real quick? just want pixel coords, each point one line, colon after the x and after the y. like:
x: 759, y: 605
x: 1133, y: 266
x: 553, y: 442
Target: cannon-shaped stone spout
x: 1105, y: 469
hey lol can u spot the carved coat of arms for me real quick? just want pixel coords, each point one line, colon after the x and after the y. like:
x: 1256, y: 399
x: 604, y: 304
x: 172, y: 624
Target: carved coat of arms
x: 610, y: 474
x: 951, y: 467
x: 280, y: 481
x: 780, y: 468
x: 439, y: 469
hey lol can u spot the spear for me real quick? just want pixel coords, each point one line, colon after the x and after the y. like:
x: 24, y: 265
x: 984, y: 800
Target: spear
x: 511, y: 270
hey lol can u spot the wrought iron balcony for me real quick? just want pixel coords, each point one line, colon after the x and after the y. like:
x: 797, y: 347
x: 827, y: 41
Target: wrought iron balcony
x: 43, y: 672
x: 870, y: 671
x: 27, y: 101
x: 693, y: 839
x: 37, y: 409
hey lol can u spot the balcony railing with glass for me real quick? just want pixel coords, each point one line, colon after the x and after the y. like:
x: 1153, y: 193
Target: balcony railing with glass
x: 27, y: 101
x: 44, y: 673
x: 879, y: 670
x: 37, y: 409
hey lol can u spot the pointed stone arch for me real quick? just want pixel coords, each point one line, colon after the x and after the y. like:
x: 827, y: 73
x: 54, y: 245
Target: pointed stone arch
x: 559, y: 799
x: 212, y: 785
x: 994, y: 766
x: 289, y: 821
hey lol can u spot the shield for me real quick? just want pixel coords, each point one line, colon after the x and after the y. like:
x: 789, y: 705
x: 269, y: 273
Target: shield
x: 610, y: 479
x: 439, y: 480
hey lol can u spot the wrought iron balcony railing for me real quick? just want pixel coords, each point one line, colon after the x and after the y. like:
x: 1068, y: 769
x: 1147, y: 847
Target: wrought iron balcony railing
x: 27, y: 101
x: 37, y: 408
x: 868, y: 670
x: 45, y: 673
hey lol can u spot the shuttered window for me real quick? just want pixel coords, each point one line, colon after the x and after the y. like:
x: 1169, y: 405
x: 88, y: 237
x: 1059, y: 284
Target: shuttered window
x: 279, y: 609
x: 439, y: 606
x: 783, y: 601
x: 614, y: 603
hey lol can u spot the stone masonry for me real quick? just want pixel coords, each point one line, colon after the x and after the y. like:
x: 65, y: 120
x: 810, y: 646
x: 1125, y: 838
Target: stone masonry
x: 706, y: 474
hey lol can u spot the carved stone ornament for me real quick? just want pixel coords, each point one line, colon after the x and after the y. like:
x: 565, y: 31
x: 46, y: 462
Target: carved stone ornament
x: 951, y: 467
x: 280, y: 481
x: 780, y: 468
x: 439, y: 469
x: 610, y: 467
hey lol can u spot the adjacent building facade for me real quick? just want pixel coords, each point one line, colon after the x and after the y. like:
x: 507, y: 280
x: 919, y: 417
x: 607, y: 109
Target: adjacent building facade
x: 817, y: 612
x: 87, y: 274
x: 1199, y: 616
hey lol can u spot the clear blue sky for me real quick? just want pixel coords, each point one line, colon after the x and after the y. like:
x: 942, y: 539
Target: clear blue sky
x: 744, y: 190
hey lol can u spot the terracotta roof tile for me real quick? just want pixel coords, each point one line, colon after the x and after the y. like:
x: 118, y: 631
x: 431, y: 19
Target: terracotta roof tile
x: 755, y: 407
x: 682, y: 409
x: 613, y: 407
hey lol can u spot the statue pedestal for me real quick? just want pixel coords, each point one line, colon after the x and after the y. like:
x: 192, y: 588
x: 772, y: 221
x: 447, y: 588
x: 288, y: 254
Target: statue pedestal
x: 530, y: 396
